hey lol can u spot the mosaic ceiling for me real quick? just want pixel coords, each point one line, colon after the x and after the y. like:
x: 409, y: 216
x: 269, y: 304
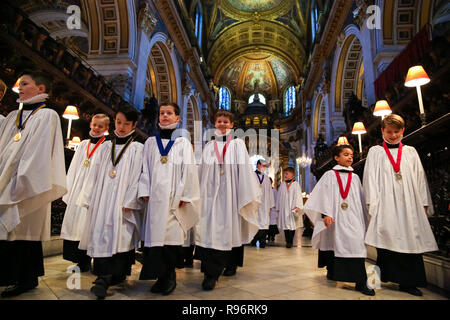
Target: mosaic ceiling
x: 258, y: 42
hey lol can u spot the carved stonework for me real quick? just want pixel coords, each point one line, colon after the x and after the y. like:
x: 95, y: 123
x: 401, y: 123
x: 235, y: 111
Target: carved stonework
x: 187, y: 89
x: 170, y: 45
x: 359, y: 14
x: 341, y: 39
x: 147, y: 21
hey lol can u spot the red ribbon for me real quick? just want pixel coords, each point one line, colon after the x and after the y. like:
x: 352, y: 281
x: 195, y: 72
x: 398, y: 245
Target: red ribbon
x: 395, y: 165
x: 224, y: 150
x: 344, y: 193
x: 289, y: 185
x: 96, y: 146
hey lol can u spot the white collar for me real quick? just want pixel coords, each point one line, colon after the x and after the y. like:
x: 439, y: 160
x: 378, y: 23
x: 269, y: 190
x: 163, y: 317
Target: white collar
x: 338, y: 167
x: 396, y: 142
x: 36, y: 99
x: 115, y: 132
x: 170, y: 126
x: 99, y: 136
x: 219, y: 134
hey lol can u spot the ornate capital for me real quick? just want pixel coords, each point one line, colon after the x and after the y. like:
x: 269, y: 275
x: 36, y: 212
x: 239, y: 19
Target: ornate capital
x: 146, y: 20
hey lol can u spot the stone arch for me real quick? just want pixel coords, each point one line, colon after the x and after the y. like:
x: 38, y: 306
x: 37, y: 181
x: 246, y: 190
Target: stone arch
x: 320, y: 118
x: 346, y: 72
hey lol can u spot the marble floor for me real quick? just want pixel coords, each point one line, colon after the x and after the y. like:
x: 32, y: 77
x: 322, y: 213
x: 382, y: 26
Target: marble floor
x: 274, y: 272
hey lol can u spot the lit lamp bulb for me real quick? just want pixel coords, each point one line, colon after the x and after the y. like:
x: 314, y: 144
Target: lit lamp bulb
x: 70, y: 113
x: 382, y: 109
x: 342, y: 140
x: 358, y: 128
x: 417, y: 77
x: 15, y: 88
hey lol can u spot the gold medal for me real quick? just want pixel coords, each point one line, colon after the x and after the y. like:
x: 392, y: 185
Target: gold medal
x: 260, y: 186
x: 163, y: 159
x: 112, y: 173
x: 398, y: 175
x: 86, y: 163
x: 344, y: 205
x: 17, y: 136
x: 221, y: 172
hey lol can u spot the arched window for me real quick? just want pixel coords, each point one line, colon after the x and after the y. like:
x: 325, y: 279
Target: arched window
x: 289, y: 100
x: 262, y: 99
x: 224, y: 99
x: 199, y: 23
x: 314, y: 20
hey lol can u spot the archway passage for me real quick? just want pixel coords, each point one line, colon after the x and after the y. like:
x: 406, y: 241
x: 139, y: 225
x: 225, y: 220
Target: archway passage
x: 162, y: 75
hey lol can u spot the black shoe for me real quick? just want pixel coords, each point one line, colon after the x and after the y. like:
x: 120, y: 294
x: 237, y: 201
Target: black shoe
x: 169, y: 284
x: 189, y: 263
x: 253, y: 243
x: 85, y: 267
x: 288, y: 245
x: 100, y: 288
x: 158, y: 286
x: 17, y: 289
x: 229, y: 271
x: 209, y: 282
x: 363, y: 288
x: 411, y: 290
x: 262, y: 244
x: 117, y: 280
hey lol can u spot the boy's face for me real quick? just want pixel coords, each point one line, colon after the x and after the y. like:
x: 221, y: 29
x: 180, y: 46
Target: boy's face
x: 392, y: 134
x: 262, y: 167
x: 223, y: 124
x: 123, y: 125
x: 345, y: 158
x: 167, y: 116
x: 98, y: 126
x: 288, y: 175
x: 28, y: 88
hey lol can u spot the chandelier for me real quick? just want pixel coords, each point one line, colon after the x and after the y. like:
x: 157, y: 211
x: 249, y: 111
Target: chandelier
x: 304, y: 161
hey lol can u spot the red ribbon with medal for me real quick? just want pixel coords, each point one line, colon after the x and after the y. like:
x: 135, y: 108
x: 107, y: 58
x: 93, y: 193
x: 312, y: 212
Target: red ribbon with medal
x: 344, y: 193
x: 395, y: 165
x: 86, y: 162
x: 224, y: 150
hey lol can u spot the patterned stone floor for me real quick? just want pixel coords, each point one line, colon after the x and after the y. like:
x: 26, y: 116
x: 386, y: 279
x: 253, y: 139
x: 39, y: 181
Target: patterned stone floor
x: 270, y: 273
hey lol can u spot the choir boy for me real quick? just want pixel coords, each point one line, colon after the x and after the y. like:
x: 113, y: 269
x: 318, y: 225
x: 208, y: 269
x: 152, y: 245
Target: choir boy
x: 397, y: 194
x: 273, y: 228
x: 113, y: 222
x: 289, y: 206
x: 337, y: 210
x: 230, y: 201
x: 169, y: 183
x: 32, y: 175
x: 75, y: 216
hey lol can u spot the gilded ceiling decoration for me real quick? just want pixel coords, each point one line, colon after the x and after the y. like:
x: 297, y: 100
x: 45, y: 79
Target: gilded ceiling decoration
x: 256, y: 41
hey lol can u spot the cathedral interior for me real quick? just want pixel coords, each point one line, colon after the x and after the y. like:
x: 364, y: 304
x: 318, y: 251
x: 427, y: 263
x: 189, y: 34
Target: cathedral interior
x: 301, y: 72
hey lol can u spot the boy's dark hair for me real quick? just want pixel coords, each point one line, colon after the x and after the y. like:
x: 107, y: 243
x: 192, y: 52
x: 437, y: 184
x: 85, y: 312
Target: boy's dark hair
x: 290, y: 169
x: 39, y: 78
x: 336, y: 151
x: 176, y: 108
x: 261, y: 161
x: 224, y: 113
x: 130, y: 113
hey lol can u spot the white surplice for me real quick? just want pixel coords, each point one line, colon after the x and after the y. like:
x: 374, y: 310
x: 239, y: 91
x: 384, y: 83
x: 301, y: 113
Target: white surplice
x: 229, y: 214
x: 110, y: 229
x: 167, y: 184
x: 274, y: 210
x: 32, y: 175
x: 267, y: 201
x: 287, y: 201
x: 398, y: 221
x: 75, y: 216
x: 1, y: 119
x: 346, y: 235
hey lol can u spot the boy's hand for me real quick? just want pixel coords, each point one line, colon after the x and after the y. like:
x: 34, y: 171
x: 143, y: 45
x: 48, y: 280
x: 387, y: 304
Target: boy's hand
x: 297, y: 209
x: 425, y: 208
x: 328, y: 221
x: 127, y: 209
x: 182, y: 204
x: 146, y: 198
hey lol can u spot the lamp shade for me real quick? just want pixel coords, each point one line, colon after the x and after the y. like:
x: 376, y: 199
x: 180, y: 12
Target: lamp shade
x: 342, y: 140
x: 71, y: 113
x: 15, y: 88
x: 76, y: 140
x: 382, y: 108
x: 416, y: 77
x: 358, y: 128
